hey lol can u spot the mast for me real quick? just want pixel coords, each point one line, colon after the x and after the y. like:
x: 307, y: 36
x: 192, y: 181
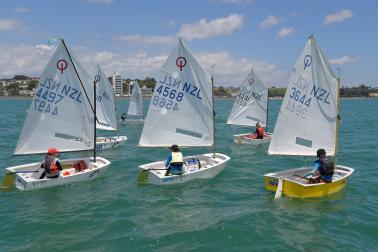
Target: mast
x: 94, y: 118
x: 214, y: 114
x: 267, y: 113
x: 337, y: 118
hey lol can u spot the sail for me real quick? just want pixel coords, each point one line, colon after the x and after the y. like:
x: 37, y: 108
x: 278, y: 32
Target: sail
x: 60, y: 114
x: 136, y: 103
x: 250, y: 106
x: 307, y: 118
x: 180, y: 110
x: 105, y: 102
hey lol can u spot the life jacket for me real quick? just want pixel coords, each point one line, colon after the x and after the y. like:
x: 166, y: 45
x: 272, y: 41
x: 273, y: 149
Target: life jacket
x: 50, y: 164
x: 177, y: 159
x: 80, y: 166
x: 326, y: 166
x: 260, y: 131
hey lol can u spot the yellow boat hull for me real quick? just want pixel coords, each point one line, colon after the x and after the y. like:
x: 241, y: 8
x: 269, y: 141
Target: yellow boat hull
x: 294, y: 189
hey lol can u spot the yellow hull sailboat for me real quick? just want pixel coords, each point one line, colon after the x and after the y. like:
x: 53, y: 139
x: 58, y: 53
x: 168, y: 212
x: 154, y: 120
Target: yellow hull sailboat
x: 295, y: 185
x: 308, y: 121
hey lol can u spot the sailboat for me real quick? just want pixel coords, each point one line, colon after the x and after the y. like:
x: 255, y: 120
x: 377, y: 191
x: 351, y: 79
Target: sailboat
x: 135, y: 111
x: 63, y: 110
x: 106, y: 112
x: 251, y: 107
x: 308, y: 120
x: 182, y: 112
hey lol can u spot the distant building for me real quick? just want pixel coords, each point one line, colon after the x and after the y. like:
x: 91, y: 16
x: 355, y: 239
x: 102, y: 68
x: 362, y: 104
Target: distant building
x: 117, y: 84
x: 146, y: 91
x: 373, y: 94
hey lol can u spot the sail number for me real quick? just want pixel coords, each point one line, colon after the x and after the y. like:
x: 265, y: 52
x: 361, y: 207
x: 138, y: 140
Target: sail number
x: 50, y: 93
x: 246, y: 95
x: 167, y: 98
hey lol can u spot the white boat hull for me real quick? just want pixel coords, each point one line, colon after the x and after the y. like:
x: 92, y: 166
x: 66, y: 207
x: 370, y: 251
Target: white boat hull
x: 103, y: 143
x: 132, y: 121
x: 244, y: 139
x: 210, y: 167
x: 25, y: 180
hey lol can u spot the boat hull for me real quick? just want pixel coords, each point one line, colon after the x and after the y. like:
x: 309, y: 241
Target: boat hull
x: 104, y: 143
x: 295, y: 186
x: 244, y: 139
x: 132, y: 121
x: 210, y: 167
x: 25, y: 180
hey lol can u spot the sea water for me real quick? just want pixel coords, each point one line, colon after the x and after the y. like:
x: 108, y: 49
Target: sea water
x: 231, y: 212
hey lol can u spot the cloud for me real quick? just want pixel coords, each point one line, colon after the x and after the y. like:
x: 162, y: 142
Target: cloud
x: 337, y: 17
x: 216, y: 27
x: 23, y: 59
x: 286, y: 31
x: 198, y: 30
x: 100, y: 1
x: 229, y: 70
x: 344, y: 60
x: 270, y: 21
x: 10, y: 24
x: 22, y: 10
x: 144, y: 40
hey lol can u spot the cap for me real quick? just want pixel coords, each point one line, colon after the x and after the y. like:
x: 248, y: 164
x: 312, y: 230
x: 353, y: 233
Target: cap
x: 52, y: 151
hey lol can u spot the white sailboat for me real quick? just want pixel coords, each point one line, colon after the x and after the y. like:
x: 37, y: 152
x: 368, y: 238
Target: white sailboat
x: 308, y: 121
x: 61, y: 112
x: 181, y: 112
x: 135, y: 111
x: 106, y: 112
x: 251, y: 107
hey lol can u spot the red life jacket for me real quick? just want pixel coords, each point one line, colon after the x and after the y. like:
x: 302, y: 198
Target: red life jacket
x: 260, y: 131
x: 50, y: 164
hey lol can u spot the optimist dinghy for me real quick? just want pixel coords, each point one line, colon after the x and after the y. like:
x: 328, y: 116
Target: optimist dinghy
x: 135, y: 111
x: 181, y: 112
x: 308, y: 120
x: 251, y: 107
x: 60, y: 113
x: 106, y: 112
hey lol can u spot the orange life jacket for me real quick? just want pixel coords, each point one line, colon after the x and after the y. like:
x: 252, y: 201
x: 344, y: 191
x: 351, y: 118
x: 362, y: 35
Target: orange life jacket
x: 260, y: 131
x: 50, y: 165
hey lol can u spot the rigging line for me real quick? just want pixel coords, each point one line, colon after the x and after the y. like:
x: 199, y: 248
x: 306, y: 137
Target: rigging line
x: 199, y: 81
x: 81, y: 83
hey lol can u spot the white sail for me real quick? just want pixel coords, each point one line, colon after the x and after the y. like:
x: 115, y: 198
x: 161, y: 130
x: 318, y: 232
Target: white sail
x: 250, y: 106
x: 105, y: 108
x: 60, y: 112
x: 181, y: 109
x: 307, y: 118
x: 136, y: 103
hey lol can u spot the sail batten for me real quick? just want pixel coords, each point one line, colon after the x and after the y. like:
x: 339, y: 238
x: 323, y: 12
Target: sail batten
x: 105, y: 102
x: 180, y: 110
x: 250, y: 106
x: 308, y: 114
x: 59, y: 107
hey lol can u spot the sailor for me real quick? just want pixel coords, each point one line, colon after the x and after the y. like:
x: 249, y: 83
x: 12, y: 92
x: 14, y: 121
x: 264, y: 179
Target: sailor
x: 174, y: 161
x: 259, y: 131
x: 123, y: 117
x: 323, y: 169
x: 51, y: 164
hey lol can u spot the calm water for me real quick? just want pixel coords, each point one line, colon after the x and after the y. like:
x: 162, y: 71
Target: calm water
x: 232, y: 212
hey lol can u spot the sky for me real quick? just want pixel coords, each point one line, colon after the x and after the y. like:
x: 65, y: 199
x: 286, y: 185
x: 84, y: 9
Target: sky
x: 134, y: 38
